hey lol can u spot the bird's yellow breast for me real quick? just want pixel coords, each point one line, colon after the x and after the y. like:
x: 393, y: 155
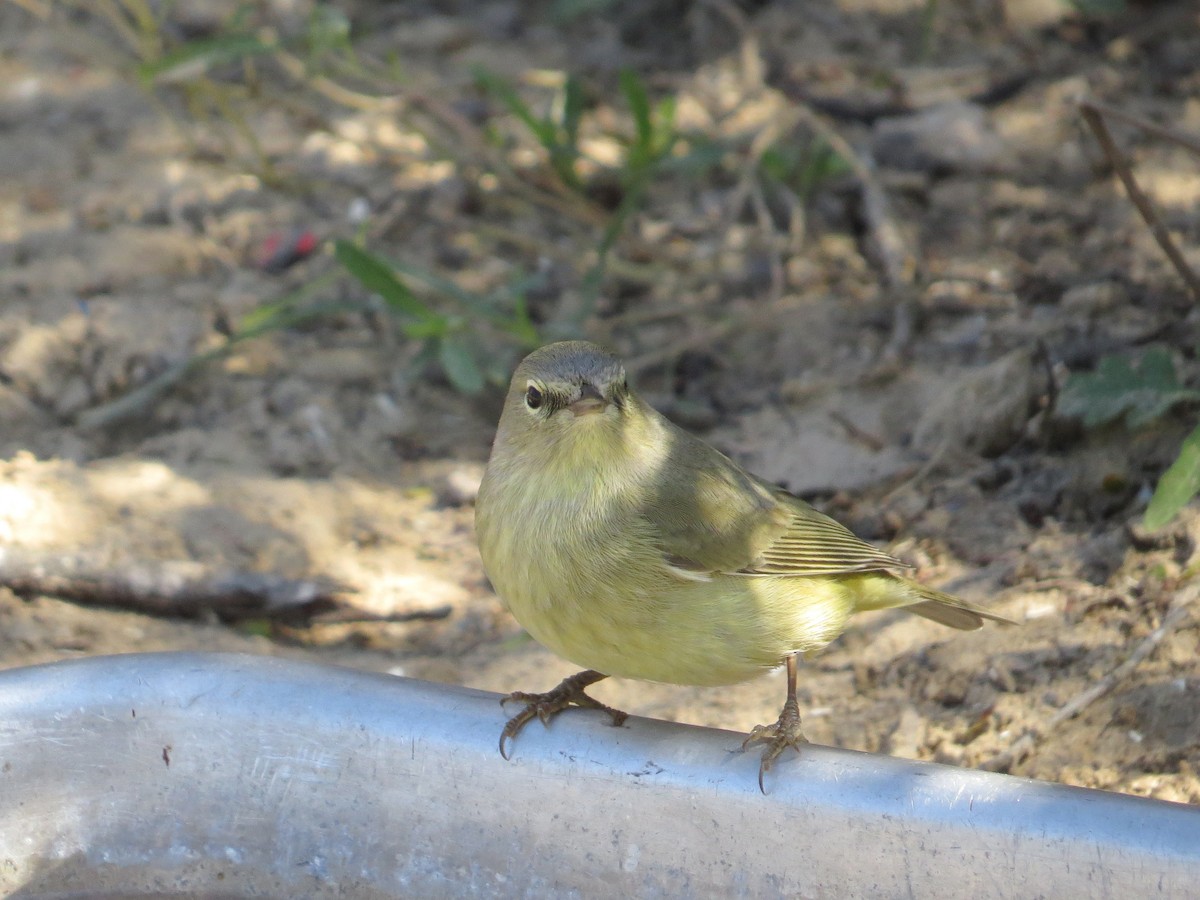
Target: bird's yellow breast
x: 584, y: 573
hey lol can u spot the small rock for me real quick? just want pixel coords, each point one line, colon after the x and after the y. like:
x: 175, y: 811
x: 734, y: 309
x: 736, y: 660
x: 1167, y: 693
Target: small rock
x: 289, y: 395
x: 73, y: 397
x: 204, y: 19
x: 984, y: 411
x: 1054, y: 264
x: 435, y: 33
x: 1031, y: 15
x: 954, y: 137
x: 1094, y: 299
x: 341, y: 365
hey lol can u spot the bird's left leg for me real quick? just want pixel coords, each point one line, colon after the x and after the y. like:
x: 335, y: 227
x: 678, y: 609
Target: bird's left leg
x: 785, y: 732
x: 545, y: 706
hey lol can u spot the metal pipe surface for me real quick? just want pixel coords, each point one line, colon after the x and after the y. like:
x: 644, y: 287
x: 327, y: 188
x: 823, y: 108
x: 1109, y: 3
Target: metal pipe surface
x: 222, y: 775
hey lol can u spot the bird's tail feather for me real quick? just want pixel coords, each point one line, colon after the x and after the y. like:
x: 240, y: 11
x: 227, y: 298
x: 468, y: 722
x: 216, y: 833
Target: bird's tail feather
x: 948, y: 610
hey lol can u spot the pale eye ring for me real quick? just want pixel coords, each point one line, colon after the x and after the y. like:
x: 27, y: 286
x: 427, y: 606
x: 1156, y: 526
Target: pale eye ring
x: 533, y: 397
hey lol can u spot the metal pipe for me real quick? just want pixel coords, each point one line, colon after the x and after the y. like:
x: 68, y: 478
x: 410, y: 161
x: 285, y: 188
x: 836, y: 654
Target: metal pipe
x: 220, y: 775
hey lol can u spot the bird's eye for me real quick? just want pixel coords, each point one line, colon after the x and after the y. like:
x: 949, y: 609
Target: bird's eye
x: 533, y: 397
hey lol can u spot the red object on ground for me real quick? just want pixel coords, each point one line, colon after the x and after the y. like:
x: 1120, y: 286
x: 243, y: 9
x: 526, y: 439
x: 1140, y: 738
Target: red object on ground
x: 281, y: 250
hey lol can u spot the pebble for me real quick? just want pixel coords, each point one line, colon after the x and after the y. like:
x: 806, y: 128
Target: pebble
x: 984, y: 411
x: 953, y: 137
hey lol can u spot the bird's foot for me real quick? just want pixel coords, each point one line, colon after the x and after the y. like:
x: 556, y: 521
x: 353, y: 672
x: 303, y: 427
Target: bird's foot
x: 546, y: 706
x: 784, y: 732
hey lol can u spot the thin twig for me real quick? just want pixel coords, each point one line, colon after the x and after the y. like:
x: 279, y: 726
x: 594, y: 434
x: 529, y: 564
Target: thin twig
x: 868, y: 440
x: 896, y: 261
x: 1050, y: 402
x: 651, y: 273
x: 145, y: 396
x: 1178, y: 611
x: 704, y: 337
x: 899, y: 264
x: 764, y: 315
x: 1188, y: 141
x: 464, y: 136
x: 774, y: 252
x: 1094, y: 116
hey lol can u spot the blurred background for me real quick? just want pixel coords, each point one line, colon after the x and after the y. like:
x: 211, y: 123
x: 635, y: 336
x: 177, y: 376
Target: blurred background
x: 265, y: 268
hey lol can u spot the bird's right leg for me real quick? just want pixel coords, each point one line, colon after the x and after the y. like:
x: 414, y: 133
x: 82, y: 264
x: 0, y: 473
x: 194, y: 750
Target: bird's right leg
x: 781, y: 734
x: 546, y: 706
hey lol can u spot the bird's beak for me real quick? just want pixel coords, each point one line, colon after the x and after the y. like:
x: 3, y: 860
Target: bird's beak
x: 590, y: 401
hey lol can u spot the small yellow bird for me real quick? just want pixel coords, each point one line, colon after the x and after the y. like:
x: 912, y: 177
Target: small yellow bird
x: 630, y: 547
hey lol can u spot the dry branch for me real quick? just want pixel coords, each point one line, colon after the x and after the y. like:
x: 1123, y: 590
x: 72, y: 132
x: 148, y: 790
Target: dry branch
x: 182, y: 588
x: 1093, y: 114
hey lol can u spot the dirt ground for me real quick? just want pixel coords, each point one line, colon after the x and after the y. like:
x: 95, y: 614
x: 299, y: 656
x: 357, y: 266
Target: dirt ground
x: 131, y: 230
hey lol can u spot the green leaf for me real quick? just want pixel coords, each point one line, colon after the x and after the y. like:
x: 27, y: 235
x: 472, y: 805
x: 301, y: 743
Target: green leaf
x: 289, y: 310
x: 541, y: 129
x: 802, y: 167
x: 700, y: 155
x: 666, y: 126
x: 257, y: 627
x: 458, y: 361
x: 377, y: 276
x: 521, y: 326
x: 639, y: 105
x: 194, y: 59
x: 572, y: 109
x: 1179, y: 484
x: 1140, y: 391
x: 779, y: 161
x: 328, y: 27
x: 477, y: 305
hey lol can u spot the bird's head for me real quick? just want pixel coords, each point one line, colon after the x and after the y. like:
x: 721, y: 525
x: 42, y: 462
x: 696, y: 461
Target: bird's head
x: 570, y: 402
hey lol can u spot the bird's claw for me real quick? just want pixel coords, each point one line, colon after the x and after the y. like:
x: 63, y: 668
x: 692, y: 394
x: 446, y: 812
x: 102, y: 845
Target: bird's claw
x: 546, y: 706
x: 783, y: 733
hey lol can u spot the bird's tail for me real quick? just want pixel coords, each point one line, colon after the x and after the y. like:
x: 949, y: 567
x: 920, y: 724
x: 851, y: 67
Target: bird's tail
x: 948, y: 610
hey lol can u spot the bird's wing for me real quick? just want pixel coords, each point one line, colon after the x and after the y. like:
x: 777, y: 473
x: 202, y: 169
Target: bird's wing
x: 716, y: 517
x: 815, y: 544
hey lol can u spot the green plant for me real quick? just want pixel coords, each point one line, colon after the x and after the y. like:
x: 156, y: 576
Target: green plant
x: 652, y: 140
x: 215, y: 85
x: 802, y: 167
x: 452, y: 338
x: 646, y: 150
x: 288, y: 311
x: 216, y: 76
x: 557, y: 130
x: 1179, y: 484
x: 649, y: 150
x: 1137, y: 392
x: 654, y: 136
